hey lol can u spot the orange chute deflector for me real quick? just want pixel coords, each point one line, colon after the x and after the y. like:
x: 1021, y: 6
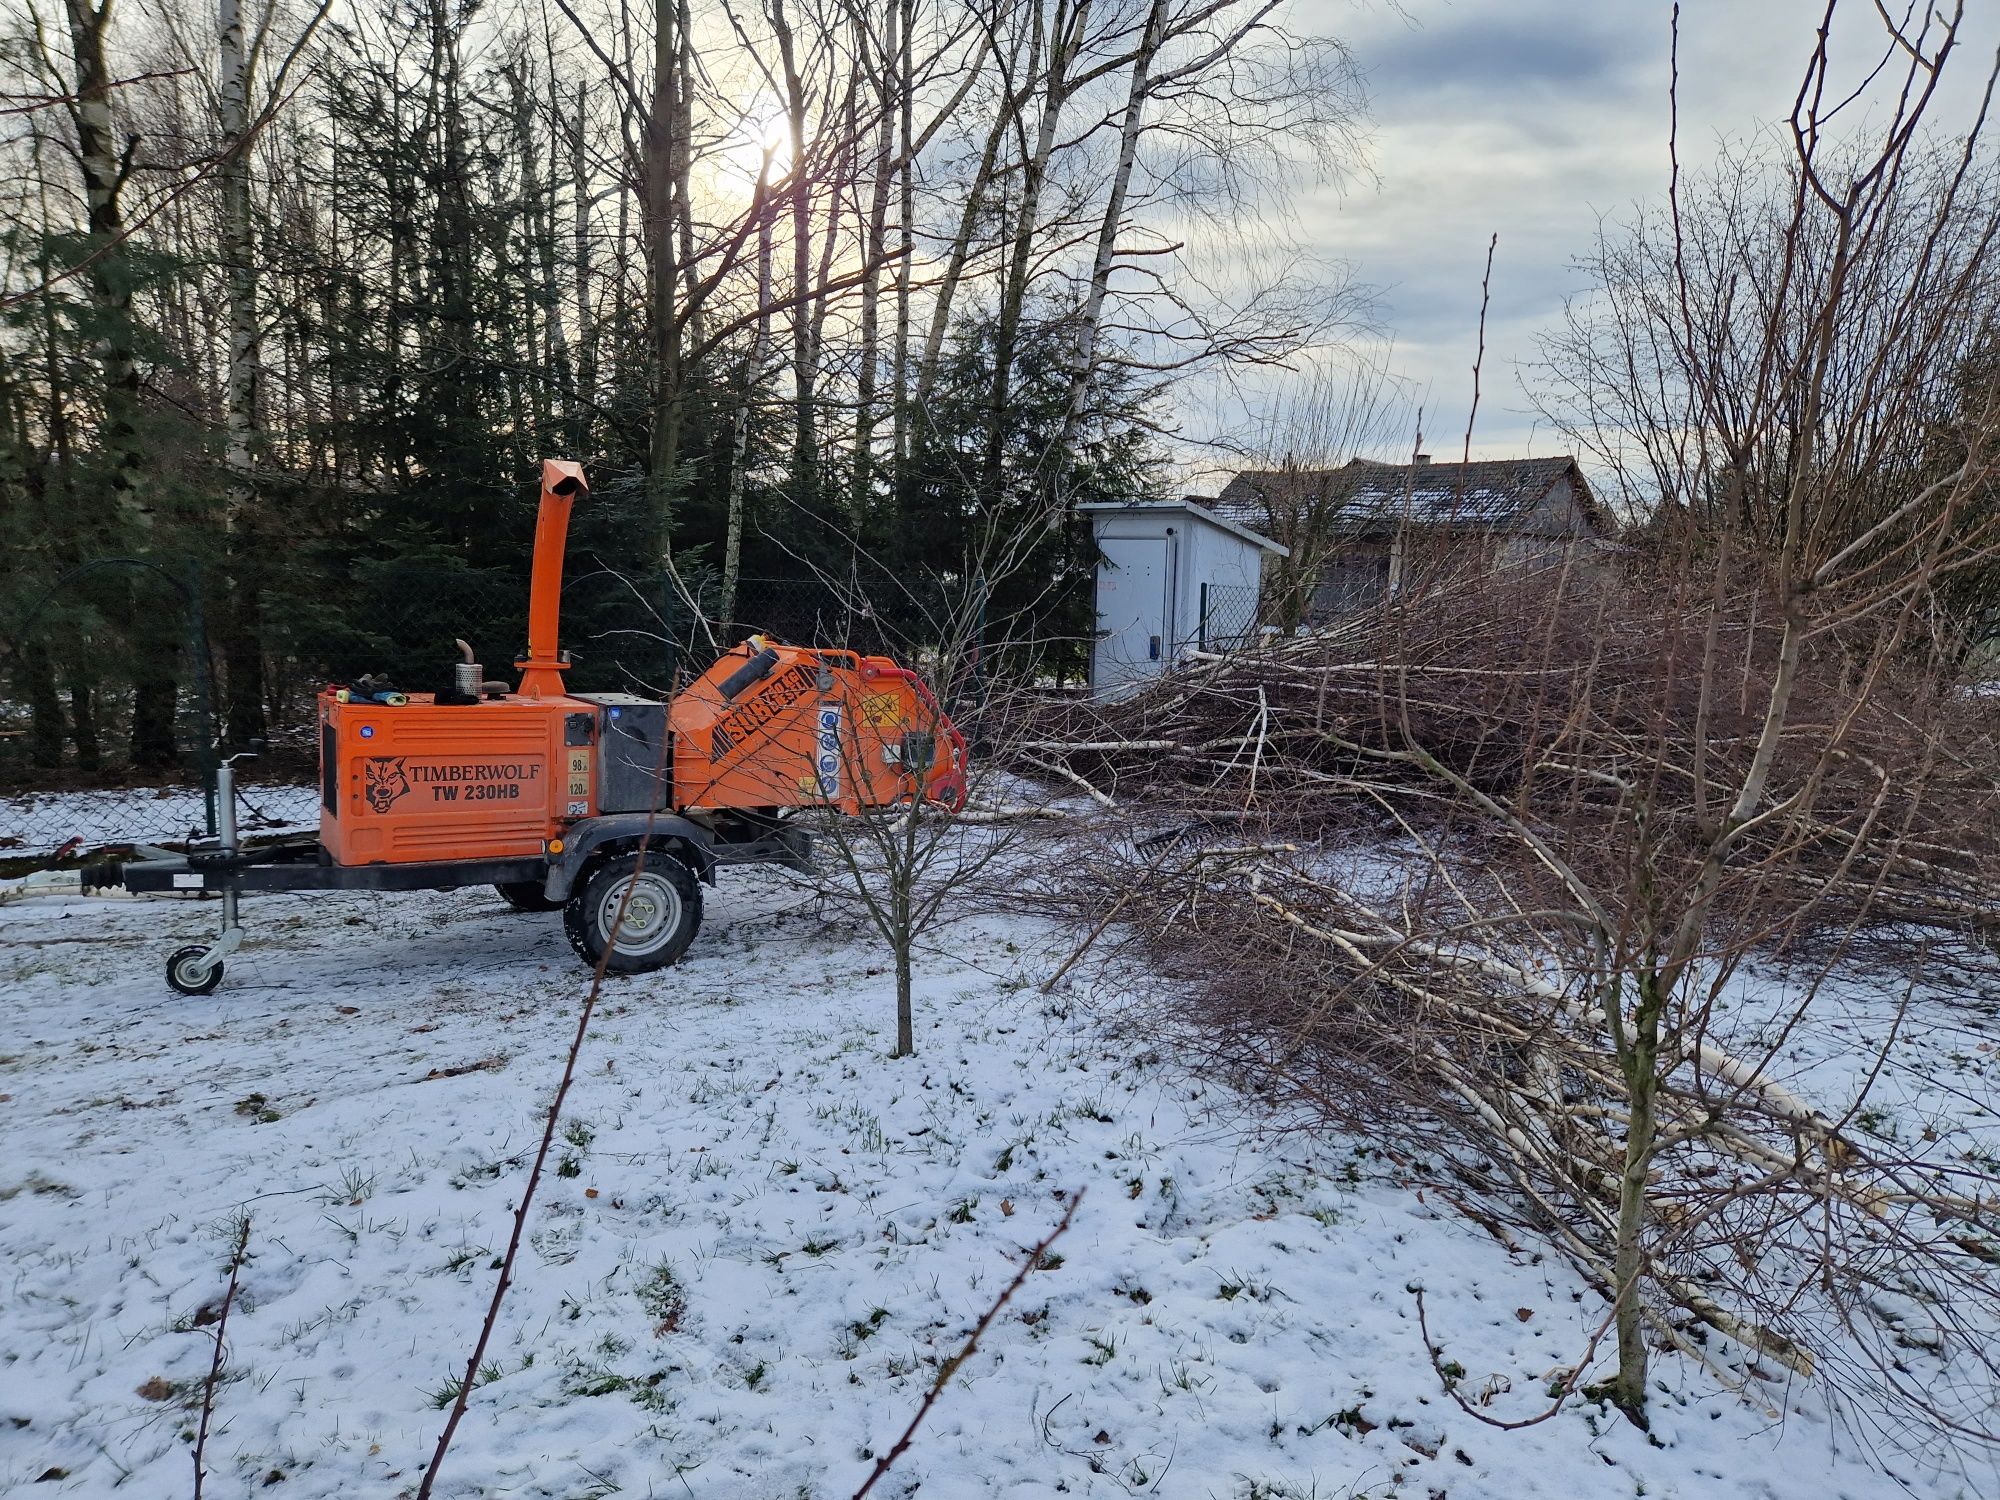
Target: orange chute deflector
x: 542, y: 669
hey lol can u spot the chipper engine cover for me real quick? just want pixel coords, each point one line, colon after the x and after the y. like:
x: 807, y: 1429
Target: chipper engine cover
x: 768, y: 726
x: 472, y: 781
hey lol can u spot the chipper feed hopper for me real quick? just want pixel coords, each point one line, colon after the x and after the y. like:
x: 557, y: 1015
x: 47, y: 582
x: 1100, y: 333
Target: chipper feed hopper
x: 547, y: 795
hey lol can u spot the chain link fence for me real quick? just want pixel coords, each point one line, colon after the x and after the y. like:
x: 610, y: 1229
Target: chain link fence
x: 106, y: 713
x: 1229, y: 618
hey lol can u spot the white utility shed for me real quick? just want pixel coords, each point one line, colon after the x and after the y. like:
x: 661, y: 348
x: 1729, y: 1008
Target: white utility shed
x: 1174, y: 575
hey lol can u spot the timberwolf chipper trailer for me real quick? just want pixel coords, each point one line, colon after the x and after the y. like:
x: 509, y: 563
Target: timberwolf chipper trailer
x: 547, y: 794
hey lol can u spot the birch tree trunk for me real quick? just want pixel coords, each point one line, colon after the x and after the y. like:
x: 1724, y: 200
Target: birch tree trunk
x: 663, y: 176
x: 242, y: 650
x: 1065, y: 39
x: 585, y: 329
x: 906, y: 249
x: 753, y: 379
x: 1090, y: 316
x: 104, y: 167
x: 805, y: 443
x: 875, y: 241
x: 955, y: 263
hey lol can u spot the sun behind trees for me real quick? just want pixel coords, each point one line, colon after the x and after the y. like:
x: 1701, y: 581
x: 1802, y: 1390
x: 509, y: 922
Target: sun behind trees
x: 303, y: 309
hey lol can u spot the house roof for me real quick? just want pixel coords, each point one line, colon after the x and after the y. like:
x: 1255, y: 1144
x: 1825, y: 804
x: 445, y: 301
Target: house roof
x: 1365, y: 495
x: 1244, y: 526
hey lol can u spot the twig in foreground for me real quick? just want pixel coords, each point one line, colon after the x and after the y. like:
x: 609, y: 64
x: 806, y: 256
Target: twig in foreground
x: 965, y: 1351
x: 236, y: 1259
x: 1568, y: 1384
x: 583, y: 1015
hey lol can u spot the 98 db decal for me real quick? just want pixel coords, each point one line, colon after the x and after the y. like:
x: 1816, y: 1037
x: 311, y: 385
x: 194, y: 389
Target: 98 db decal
x: 826, y: 751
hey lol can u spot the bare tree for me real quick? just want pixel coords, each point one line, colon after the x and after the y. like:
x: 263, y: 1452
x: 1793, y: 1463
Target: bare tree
x: 1337, y: 414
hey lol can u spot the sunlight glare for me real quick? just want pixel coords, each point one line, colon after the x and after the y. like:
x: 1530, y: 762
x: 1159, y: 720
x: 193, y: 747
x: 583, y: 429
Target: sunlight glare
x: 762, y: 132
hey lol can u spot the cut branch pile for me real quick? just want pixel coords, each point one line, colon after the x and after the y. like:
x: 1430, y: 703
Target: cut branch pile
x: 1579, y: 710
x: 1412, y: 875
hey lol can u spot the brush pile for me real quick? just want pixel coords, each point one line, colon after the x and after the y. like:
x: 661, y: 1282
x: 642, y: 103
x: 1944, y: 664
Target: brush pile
x: 1587, y: 714
x: 1415, y: 874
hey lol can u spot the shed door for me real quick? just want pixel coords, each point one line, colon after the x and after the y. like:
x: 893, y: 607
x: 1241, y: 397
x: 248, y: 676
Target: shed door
x: 1132, y: 609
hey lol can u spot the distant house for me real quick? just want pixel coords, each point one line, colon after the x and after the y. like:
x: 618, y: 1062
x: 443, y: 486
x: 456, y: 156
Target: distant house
x: 1362, y: 531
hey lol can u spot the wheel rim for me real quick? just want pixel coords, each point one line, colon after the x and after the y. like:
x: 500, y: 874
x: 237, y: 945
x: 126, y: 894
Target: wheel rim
x: 652, y: 916
x: 190, y: 971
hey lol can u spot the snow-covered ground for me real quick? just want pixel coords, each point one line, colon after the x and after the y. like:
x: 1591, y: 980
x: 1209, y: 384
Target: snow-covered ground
x: 761, y: 1237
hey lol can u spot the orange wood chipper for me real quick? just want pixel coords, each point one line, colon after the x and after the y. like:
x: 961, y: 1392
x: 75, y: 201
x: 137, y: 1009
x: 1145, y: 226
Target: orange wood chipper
x: 547, y: 794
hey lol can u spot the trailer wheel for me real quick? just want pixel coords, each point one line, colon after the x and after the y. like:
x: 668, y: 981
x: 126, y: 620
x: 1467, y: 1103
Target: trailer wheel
x: 184, y: 971
x: 526, y: 895
x: 661, y: 918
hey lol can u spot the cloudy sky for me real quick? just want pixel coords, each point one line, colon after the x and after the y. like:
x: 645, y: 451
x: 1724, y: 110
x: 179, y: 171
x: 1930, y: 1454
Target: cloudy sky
x: 1533, y: 118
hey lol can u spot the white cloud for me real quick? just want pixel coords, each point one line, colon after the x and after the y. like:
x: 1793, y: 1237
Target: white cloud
x: 1532, y: 119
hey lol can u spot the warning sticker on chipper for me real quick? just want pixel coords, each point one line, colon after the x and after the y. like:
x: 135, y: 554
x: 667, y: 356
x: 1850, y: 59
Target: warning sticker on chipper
x: 826, y: 751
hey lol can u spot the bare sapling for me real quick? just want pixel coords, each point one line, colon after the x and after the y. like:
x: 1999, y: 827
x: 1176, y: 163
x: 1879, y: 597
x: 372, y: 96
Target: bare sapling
x: 907, y: 861
x: 1035, y: 1258
x: 552, y: 1118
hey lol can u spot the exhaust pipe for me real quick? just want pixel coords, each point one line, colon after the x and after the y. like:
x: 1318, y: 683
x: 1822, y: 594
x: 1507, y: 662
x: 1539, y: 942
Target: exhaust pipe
x: 467, y: 675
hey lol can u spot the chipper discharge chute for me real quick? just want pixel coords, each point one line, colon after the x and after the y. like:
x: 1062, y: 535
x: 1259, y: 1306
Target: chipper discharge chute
x: 547, y: 794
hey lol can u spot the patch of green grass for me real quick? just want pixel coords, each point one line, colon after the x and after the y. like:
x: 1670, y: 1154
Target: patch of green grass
x: 447, y: 1392
x: 962, y: 1211
x: 1180, y: 1376
x: 1233, y: 1287
x: 354, y: 1187
x: 596, y: 1380
x: 257, y: 1107
x: 663, y: 1296
x: 1877, y: 1122
x: 817, y: 1247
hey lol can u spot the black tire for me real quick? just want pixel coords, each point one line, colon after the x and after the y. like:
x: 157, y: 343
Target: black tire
x: 526, y: 895
x: 181, y: 971
x: 660, y: 921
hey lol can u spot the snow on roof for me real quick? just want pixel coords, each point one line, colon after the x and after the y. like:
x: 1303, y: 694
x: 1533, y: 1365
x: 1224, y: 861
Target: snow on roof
x: 1244, y: 525
x: 1366, y: 495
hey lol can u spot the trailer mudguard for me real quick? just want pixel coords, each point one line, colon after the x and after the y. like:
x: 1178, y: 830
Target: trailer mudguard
x: 582, y: 840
